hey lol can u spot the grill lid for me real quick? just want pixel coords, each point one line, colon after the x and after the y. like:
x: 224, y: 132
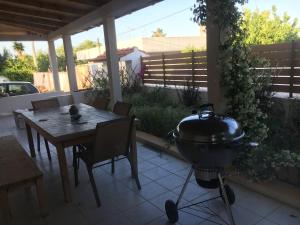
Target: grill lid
x: 208, y: 127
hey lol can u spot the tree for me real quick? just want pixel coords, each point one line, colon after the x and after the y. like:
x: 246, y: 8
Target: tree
x: 19, y: 69
x: 42, y: 62
x: 3, y: 59
x: 61, y: 58
x: 19, y: 48
x: 158, y: 33
x: 267, y: 27
x: 86, y: 45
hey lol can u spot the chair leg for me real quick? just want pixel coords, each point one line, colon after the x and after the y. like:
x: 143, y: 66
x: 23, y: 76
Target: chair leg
x: 93, y: 183
x: 113, y: 165
x: 38, y: 138
x: 75, y: 166
x: 47, y: 149
x: 134, y: 173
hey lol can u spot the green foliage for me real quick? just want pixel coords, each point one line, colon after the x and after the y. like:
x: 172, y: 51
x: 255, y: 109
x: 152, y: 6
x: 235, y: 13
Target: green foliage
x: 42, y: 62
x: 3, y: 59
x: 19, y: 69
x: 85, y: 45
x: 19, y: 48
x: 189, y: 95
x: 264, y: 162
x: 61, y: 58
x: 99, y: 84
x: 130, y: 81
x: 158, y: 33
x: 191, y: 48
x: 159, y: 120
x: 247, y: 91
x: 267, y: 27
x: 158, y: 113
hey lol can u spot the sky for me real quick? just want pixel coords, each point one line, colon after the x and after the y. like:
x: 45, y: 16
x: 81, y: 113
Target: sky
x: 173, y: 16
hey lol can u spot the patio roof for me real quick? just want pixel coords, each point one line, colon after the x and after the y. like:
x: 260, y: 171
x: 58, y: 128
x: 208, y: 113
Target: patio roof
x: 50, y: 19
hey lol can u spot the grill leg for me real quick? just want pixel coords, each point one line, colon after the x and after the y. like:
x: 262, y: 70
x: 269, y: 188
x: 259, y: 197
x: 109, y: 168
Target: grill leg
x: 184, y: 186
x: 228, y: 207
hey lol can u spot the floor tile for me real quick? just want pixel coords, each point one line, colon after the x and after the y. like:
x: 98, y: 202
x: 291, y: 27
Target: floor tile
x: 259, y: 204
x: 161, y: 177
x: 143, y: 213
x: 151, y: 190
x: 156, y: 173
x: 266, y: 222
x: 191, y: 192
x: 170, y: 182
x: 285, y: 216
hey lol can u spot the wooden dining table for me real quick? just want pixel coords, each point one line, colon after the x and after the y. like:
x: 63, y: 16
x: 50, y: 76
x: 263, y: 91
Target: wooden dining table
x: 55, y: 126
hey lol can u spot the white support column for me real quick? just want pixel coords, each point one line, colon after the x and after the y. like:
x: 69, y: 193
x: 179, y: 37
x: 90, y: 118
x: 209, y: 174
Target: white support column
x: 53, y: 64
x: 70, y: 62
x: 112, y: 58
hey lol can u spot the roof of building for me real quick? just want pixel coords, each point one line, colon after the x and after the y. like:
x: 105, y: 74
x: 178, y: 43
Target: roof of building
x: 120, y: 52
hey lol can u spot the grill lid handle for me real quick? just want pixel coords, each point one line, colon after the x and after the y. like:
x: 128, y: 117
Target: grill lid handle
x: 207, y: 107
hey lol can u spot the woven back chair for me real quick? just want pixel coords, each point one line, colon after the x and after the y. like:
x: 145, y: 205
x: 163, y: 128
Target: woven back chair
x: 122, y: 108
x: 45, y: 104
x: 42, y: 105
x: 112, y: 139
x: 100, y: 103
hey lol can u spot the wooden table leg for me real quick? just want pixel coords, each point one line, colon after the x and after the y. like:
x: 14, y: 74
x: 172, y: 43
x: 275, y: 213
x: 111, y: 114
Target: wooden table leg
x: 64, y: 172
x: 133, y: 157
x: 41, y: 196
x: 30, y: 140
x: 4, y: 204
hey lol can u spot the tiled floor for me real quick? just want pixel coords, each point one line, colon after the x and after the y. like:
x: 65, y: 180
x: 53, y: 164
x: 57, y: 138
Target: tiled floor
x: 161, y: 177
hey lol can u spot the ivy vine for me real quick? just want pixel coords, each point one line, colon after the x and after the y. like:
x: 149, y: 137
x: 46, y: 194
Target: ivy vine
x: 246, y: 89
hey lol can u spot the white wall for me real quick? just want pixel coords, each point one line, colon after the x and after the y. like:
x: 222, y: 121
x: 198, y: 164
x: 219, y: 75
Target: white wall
x: 11, y: 103
x: 135, y: 58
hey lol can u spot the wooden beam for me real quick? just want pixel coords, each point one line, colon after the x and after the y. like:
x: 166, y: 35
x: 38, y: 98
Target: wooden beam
x: 48, y: 6
x: 17, y: 10
x: 28, y: 26
x: 32, y: 20
x: 29, y: 37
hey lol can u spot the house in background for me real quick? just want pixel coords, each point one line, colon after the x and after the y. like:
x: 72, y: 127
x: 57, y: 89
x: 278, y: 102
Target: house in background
x: 165, y: 44
x: 129, y: 58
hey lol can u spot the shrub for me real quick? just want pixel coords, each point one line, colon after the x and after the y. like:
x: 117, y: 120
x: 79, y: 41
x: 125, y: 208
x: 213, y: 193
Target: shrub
x: 189, y: 95
x: 153, y: 96
x: 159, y: 120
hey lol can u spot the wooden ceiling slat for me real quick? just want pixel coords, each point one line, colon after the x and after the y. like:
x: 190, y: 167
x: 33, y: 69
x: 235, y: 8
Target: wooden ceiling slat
x: 90, y: 2
x: 32, y: 20
x: 49, y: 6
x: 17, y: 10
x: 28, y: 24
x: 28, y: 28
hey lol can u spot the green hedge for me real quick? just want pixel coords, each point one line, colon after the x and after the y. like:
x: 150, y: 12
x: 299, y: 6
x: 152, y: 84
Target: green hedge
x: 158, y: 120
x: 18, y: 75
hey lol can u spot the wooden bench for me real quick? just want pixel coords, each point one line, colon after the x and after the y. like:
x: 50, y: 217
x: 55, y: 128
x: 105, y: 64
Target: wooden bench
x: 17, y: 170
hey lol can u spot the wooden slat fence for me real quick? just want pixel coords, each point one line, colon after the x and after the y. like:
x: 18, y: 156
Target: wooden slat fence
x: 176, y: 69
x: 180, y: 68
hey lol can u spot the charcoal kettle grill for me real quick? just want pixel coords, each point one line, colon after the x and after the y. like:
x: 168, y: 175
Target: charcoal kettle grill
x: 209, y: 142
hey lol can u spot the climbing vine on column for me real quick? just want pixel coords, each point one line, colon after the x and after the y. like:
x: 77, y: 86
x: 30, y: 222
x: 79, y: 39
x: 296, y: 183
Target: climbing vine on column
x: 246, y: 89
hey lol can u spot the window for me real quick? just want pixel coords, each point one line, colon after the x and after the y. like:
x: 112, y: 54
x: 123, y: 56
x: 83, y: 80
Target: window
x: 3, y: 90
x: 31, y: 89
x: 17, y: 89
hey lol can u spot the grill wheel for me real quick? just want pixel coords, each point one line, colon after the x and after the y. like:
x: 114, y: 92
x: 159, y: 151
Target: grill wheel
x: 171, y: 211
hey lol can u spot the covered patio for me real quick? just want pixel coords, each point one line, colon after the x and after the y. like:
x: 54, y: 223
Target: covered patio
x: 161, y: 175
